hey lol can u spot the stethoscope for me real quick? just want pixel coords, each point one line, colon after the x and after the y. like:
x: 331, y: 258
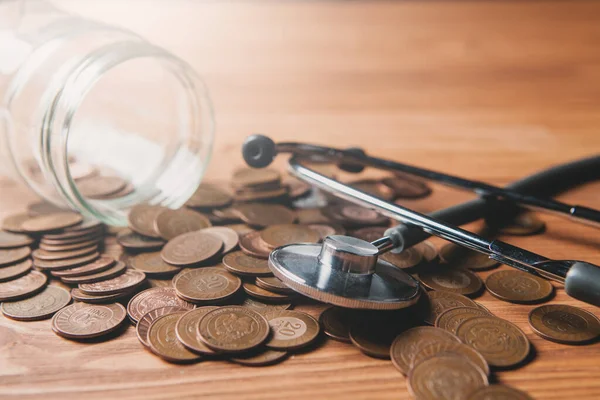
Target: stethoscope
x: 347, y: 271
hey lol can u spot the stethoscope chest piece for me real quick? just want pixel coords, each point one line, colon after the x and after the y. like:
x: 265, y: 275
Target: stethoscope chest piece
x: 346, y: 272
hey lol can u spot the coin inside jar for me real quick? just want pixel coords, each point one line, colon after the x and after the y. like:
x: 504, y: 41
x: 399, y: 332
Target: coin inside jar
x: 280, y: 235
x: 187, y: 330
x: 86, y: 321
x: 96, y: 187
x: 518, y: 287
x: 163, y: 340
x: 206, y: 285
x: 453, y: 280
x: 42, y: 305
x: 191, y: 248
x: 142, y: 219
x: 564, y: 324
x: 243, y: 264
x: 292, y: 330
x: 172, y: 223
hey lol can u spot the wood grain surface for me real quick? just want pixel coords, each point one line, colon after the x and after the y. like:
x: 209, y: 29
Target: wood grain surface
x: 488, y: 90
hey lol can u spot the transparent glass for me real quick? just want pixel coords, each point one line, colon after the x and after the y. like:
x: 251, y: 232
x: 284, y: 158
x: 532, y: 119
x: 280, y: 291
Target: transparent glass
x: 80, y: 99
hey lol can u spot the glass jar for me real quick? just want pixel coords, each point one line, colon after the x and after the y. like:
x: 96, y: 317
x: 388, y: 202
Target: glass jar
x: 94, y: 117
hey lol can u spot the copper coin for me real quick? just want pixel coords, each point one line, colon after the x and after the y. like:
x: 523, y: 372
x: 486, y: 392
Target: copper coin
x: 265, y: 295
x: 374, y: 338
x: 229, y: 237
x: 254, y: 177
x: 233, y: 329
x: 263, y: 215
x: 45, y: 255
x: 263, y: 358
x: 163, y: 340
x: 12, y: 256
x: 252, y: 244
x: 369, y: 233
x: 13, y: 271
x: 191, y: 248
x: 459, y: 257
x: 362, y: 216
x: 280, y: 235
x: 292, y: 330
x: 407, y: 188
x: 23, y: 286
x: 499, y: 392
x: 42, y: 208
x: 252, y: 195
x: 101, y: 264
x: 141, y: 328
x: 427, y: 250
x: 86, y: 321
x: 325, y: 230
x: 151, y: 299
x: 240, y: 229
x: 264, y: 309
x: 65, y: 263
x: 453, y: 280
x: 13, y: 223
x: 309, y: 216
x: 518, y: 287
x: 454, y: 349
x: 374, y: 188
x: 100, y: 186
x: 114, y: 271
x: 9, y: 240
x: 273, y: 284
x: 70, y: 247
x: 243, y: 264
x: 134, y: 241
x: 445, y: 378
x: 151, y: 264
x: 206, y: 285
x: 71, y: 243
x: 450, y: 319
x: 41, y: 306
x: 67, y: 236
x: 78, y: 295
x: 51, y: 222
x: 171, y: 223
x: 229, y: 214
x: 409, y: 343
x: 187, y: 330
x: 209, y: 196
x: 434, y: 303
x: 524, y: 225
x: 500, y: 342
x: 141, y: 219
x: 405, y: 259
x: 121, y: 283
x: 86, y: 226
x: 336, y: 323
x: 564, y: 324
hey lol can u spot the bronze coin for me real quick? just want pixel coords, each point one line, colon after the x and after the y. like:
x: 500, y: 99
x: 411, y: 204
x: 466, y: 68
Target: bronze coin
x: 12, y: 256
x: 407, y: 188
x: 134, y: 241
x: 445, y: 378
x: 459, y: 257
x: 252, y: 244
x: 453, y: 280
x: 68, y: 236
x: 45, y: 255
x: 86, y: 321
x: 518, y: 287
x: 13, y: 223
x: 498, y: 392
x: 51, y: 222
x: 121, y: 283
x: 433, y: 303
x: 280, y: 235
x: 450, y: 319
x: 151, y: 264
x: 191, y: 248
x: 229, y: 237
x: 524, y: 225
x: 171, y: 223
x: 206, y: 285
x: 336, y: 323
x: 233, y: 329
x: 263, y: 358
x: 254, y: 177
x: 78, y: 295
x: 151, y: 299
x: 252, y: 195
x: 23, y: 286
x: 42, y: 208
x: 141, y: 219
x: 163, y: 340
x: 100, y: 186
x: 70, y: 247
x: 374, y: 338
x: 209, y: 196
x: 263, y: 215
x: 405, y: 259
x: 265, y: 295
x: 141, y: 328
x: 101, y: 264
x: 86, y: 226
x: 264, y: 309
x: 65, y: 263
x: 369, y: 233
x: 454, y: 349
x: 309, y: 216
x: 362, y: 216
x: 41, y: 306
x: 243, y: 264
x: 500, y: 342
x: 427, y: 250
x: 292, y: 330
x: 374, y: 188
x: 273, y: 284
x: 128, y: 189
x: 114, y: 271
x: 409, y: 343
x: 325, y: 230
x: 10, y: 240
x: 187, y: 330
x: 240, y: 229
x: 564, y: 324
x: 14, y: 271
x: 229, y: 214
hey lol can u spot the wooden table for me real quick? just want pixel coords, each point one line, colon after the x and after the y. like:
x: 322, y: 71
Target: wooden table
x: 491, y: 91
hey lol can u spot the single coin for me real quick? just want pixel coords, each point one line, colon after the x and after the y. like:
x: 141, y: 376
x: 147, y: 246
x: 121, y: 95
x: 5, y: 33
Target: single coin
x: 171, y: 223
x: 163, y: 340
x: 374, y: 338
x: 445, y: 378
x: 498, y: 392
x: 252, y: 244
x: 265, y: 295
x: 336, y: 323
x: 408, y: 188
x: 453, y: 280
x: 427, y: 250
x: 325, y: 230
x: 362, y: 216
x: 206, y: 285
x: 454, y: 349
x: 134, y: 241
x: 14, y: 271
x: 209, y: 196
x: 78, y: 295
x: 405, y: 259
x: 500, y: 342
x: 13, y: 223
x: 292, y: 330
x: 101, y: 264
x: 23, y: 286
x: 127, y: 280
x: 369, y: 233
x: 409, y: 343
x: 273, y: 284
x: 86, y: 321
x: 518, y: 287
x: 151, y: 264
x: 265, y: 357
x: 434, y: 303
x: 100, y: 186
x: 374, y: 188
x: 128, y: 189
x: 243, y: 264
x: 524, y: 225
x: 263, y: 215
x: 254, y: 177
x: 264, y: 309
x: 450, y: 319
x: 151, y: 299
x: 233, y: 329
x: 142, y: 327
x: 191, y: 248
x: 187, y: 330
x: 9, y: 240
x: 229, y: 237
x: 45, y: 255
x: 41, y: 306
x: 115, y: 270
x: 65, y: 263
x: 142, y: 219
x: 81, y: 170
x: 51, y: 222
x: 280, y: 235
x: 12, y: 256
x: 564, y: 324
x: 460, y: 257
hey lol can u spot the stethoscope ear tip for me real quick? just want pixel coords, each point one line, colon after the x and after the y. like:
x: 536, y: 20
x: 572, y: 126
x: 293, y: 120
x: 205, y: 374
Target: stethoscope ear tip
x: 258, y: 151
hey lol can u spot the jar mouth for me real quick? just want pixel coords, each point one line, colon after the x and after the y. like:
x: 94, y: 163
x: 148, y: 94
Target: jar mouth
x: 136, y: 111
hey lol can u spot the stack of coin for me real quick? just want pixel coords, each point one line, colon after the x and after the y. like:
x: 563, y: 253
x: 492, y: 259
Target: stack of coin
x: 266, y: 185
